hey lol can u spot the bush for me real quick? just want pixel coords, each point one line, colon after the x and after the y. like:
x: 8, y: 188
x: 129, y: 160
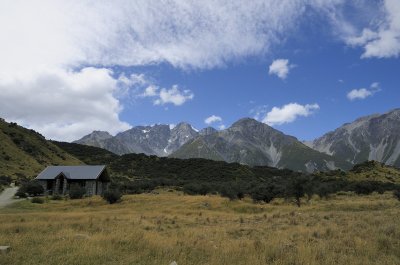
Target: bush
x: 76, y: 192
x: 112, y: 196
x: 5, y: 180
x: 264, y: 193
x: 56, y: 197
x: 229, y: 192
x: 20, y: 193
x: 32, y: 188
x: 396, y: 194
x: 37, y: 200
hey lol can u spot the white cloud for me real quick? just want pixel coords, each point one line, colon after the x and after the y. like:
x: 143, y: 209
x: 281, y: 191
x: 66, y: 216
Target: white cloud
x: 383, y: 39
x: 289, y: 113
x: 45, y: 45
x: 363, y: 93
x: 195, y: 34
x: 63, y: 105
x: 212, y: 119
x: 151, y: 91
x: 280, y: 67
x: 173, y: 95
x: 221, y: 127
x: 141, y: 86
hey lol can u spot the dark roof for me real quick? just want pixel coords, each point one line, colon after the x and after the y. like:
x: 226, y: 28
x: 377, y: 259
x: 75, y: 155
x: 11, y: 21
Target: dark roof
x: 72, y: 172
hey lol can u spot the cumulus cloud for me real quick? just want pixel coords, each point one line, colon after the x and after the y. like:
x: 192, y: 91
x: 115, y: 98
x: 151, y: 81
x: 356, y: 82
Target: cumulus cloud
x: 280, y: 68
x: 63, y: 105
x: 174, y: 96
x: 363, y: 93
x: 212, y: 119
x: 383, y: 40
x: 289, y: 113
x: 151, y: 91
x: 140, y: 86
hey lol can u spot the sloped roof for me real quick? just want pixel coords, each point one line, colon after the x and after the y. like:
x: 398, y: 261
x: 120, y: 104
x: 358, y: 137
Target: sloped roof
x: 72, y: 172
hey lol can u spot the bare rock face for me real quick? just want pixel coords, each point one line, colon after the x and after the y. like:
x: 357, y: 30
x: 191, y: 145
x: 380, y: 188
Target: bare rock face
x: 208, y: 131
x: 374, y: 137
x: 254, y: 143
x: 160, y: 140
x: 96, y: 138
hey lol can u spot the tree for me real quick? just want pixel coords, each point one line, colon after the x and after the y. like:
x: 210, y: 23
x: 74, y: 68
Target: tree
x: 296, y: 189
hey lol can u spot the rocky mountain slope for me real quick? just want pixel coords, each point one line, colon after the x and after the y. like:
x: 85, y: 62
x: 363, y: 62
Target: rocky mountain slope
x: 254, y: 143
x: 96, y: 138
x: 374, y: 137
x: 24, y: 152
x: 159, y: 140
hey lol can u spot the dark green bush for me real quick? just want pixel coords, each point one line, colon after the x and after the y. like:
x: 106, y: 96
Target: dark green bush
x: 32, y: 188
x: 20, y: 193
x: 37, y: 200
x: 396, y: 194
x: 264, y: 193
x: 5, y: 180
x: 76, y: 192
x: 112, y: 196
x: 56, y: 197
x: 228, y: 192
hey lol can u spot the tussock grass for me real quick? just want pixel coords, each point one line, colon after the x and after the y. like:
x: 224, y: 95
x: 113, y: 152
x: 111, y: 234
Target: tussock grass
x: 157, y: 229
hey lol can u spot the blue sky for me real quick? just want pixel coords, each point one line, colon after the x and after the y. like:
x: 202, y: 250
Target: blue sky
x: 304, y: 67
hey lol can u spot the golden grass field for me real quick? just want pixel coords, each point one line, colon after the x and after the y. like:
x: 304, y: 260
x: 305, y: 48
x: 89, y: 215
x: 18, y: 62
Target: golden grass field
x: 166, y: 227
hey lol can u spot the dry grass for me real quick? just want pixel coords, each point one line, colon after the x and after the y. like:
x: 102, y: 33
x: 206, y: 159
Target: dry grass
x: 158, y: 229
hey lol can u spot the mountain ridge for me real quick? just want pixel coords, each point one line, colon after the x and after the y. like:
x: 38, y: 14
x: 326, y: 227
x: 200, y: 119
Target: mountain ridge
x: 372, y: 137
x: 251, y: 142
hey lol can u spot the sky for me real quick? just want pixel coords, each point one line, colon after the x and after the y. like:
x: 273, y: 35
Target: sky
x: 304, y: 67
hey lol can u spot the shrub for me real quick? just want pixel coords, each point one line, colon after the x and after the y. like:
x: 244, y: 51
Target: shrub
x: 20, y: 193
x: 264, y: 193
x: 112, y: 196
x: 32, y: 188
x: 5, y: 180
x: 37, y: 200
x: 56, y: 197
x: 229, y: 192
x: 396, y: 194
x: 77, y: 192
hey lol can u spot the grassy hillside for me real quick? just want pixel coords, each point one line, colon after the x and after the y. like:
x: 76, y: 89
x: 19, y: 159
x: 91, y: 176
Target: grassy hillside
x: 367, y: 171
x: 88, y: 154
x: 24, y: 153
x: 151, y: 229
x: 299, y: 155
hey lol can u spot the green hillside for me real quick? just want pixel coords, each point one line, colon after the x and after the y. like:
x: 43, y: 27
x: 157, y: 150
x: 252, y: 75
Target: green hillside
x: 24, y: 152
x: 367, y: 171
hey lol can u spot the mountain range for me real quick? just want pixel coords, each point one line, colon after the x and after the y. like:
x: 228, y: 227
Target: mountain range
x: 374, y: 137
x: 247, y: 141
x: 24, y: 152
